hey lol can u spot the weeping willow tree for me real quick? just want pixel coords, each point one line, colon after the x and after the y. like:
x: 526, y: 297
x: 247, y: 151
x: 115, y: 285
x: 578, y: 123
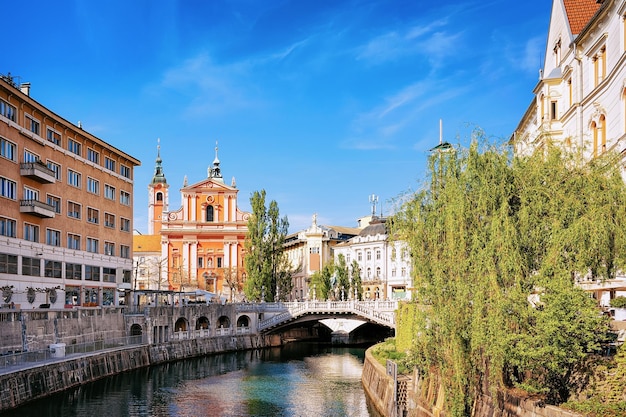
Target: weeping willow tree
x: 497, y: 245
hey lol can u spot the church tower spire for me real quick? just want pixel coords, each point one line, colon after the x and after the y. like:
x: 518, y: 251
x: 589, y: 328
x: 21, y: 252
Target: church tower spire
x: 157, y: 195
x: 215, y: 172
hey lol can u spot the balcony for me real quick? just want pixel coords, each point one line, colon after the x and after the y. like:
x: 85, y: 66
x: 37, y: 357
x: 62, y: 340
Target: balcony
x: 37, y: 171
x: 36, y: 208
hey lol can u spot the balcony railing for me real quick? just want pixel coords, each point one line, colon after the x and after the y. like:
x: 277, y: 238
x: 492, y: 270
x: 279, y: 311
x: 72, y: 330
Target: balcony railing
x: 37, y: 208
x: 37, y: 171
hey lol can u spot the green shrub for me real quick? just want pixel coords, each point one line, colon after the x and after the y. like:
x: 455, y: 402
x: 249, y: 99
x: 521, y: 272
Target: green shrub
x: 618, y: 302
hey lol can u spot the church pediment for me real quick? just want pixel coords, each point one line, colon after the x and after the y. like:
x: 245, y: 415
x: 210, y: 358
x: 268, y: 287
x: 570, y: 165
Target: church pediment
x: 208, y: 185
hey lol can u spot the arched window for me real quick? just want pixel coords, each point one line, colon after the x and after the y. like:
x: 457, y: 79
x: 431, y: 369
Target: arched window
x: 209, y: 213
x: 598, y: 130
x: 159, y: 197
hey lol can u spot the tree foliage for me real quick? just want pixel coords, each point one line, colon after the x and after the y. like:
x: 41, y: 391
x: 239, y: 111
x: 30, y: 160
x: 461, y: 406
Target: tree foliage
x: 267, y: 267
x: 488, y: 233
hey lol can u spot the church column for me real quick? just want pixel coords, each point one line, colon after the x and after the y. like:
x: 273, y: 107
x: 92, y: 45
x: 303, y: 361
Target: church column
x: 233, y: 255
x: 193, y: 208
x: 226, y: 212
x: 185, y: 207
x: 185, y: 272
x: 233, y: 207
x: 194, y: 262
x: 227, y: 255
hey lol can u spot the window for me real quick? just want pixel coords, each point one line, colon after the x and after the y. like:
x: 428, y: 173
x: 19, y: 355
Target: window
x: 109, y: 220
x: 53, y: 237
x: 73, y: 146
x: 393, y: 272
x: 56, y: 168
x: 108, y: 274
x: 29, y: 156
x: 92, y: 245
x: 125, y: 225
x: 369, y: 255
x: 31, y: 232
x: 53, y: 136
x: 8, y: 263
x: 377, y: 253
x: 599, y: 66
x: 92, y: 273
x: 359, y: 256
x: 73, y: 178
x: 73, y: 210
x: 369, y: 272
x: 93, y: 215
x: 8, y: 188
x: 93, y: 185
x: 125, y: 198
x: 31, y: 194
x: 93, y: 156
x: 8, y: 227
x: 378, y: 272
x: 125, y: 171
x: 73, y: 271
x: 314, y: 250
x: 599, y: 136
x: 347, y: 258
x: 219, y: 261
x: 52, y: 269
x: 124, y: 251
x: 109, y: 248
x: 109, y: 192
x: 7, y: 110
x: 55, y: 202
x: 209, y: 213
x: 553, y: 110
x: 31, y: 266
x: 7, y: 149
x: 393, y: 254
x: 403, y: 271
x: 73, y: 241
x: 200, y: 262
x: 32, y: 124
x: 109, y: 164
x: 159, y: 197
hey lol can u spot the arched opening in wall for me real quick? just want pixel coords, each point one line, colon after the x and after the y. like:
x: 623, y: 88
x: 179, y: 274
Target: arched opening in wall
x: 202, y: 323
x: 223, y: 322
x: 209, y: 213
x: 136, y: 330
x: 602, y: 134
x: 159, y: 197
x: 594, y: 131
x: 181, y: 325
x: 243, y: 321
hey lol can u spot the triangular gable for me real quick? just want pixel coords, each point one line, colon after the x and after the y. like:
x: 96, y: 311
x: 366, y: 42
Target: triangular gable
x: 208, y: 183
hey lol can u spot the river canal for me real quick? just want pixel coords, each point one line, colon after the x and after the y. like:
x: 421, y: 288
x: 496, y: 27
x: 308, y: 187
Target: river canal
x: 303, y: 380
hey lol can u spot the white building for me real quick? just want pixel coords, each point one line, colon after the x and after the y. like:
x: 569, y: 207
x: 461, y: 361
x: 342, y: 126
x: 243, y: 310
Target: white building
x: 580, y: 99
x: 384, y: 263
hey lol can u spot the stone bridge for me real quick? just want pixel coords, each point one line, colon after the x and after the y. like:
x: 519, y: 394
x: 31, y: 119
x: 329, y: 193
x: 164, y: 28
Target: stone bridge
x: 278, y: 314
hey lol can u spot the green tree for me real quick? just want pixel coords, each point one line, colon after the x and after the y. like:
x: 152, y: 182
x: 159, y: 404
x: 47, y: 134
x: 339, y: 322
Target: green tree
x: 355, y: 281
x: 268, y: 270
x: 343, y: 277
x: 488, y: 231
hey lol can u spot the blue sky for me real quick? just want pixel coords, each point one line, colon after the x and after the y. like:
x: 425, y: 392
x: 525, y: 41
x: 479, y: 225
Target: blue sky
x: 321, y: 103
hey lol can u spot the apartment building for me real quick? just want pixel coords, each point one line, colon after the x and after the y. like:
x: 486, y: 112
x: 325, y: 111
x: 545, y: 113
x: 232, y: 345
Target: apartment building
x: 579, y: 101
x: 66, y: 209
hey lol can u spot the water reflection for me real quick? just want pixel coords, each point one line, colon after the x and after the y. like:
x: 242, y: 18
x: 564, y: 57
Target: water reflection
x: 297, y: 380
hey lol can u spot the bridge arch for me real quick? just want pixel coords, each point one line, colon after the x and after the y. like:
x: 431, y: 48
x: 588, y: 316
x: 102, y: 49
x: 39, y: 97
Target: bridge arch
x: 181, y: 325
x: 223, y: 322
x: 243, y: 321
x: 136, y: 330
x: 202, y: 323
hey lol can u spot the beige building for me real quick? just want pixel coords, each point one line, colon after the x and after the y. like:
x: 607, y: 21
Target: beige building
x: 66, y: 209
x: 310, y: 250
x: 580, y: 98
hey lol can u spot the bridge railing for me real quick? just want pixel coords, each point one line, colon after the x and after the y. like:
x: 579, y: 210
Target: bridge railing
x: 378, y: 311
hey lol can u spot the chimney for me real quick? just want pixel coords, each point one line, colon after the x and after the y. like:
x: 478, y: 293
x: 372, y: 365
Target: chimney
x: 25, y: 87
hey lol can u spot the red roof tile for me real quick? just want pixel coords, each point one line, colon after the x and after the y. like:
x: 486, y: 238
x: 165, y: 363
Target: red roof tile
x: 579, y: 12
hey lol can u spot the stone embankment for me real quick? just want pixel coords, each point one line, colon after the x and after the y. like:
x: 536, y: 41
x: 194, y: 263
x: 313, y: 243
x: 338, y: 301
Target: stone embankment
x: 38, y: 381
x: 424, y: 397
